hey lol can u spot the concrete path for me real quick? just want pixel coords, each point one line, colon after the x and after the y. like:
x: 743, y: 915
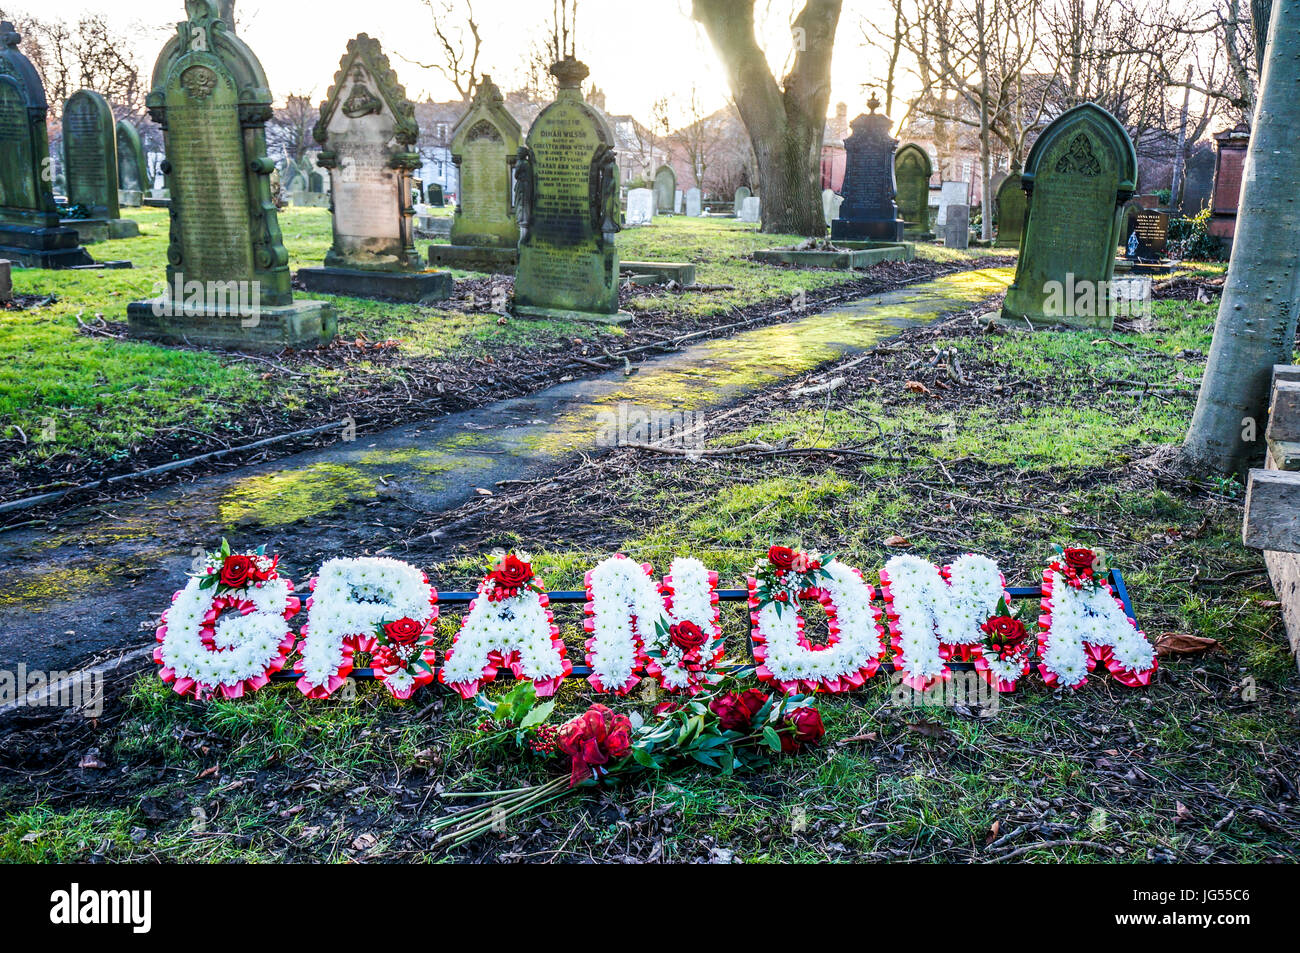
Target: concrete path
x: 100, y: 576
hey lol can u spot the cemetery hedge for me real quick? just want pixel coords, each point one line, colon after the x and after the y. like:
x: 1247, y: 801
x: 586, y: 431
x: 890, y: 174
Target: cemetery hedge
x: 77, y: 397
x: 1055, y: 437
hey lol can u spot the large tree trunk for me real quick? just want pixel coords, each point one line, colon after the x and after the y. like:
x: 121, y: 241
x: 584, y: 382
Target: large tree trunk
x: 786, y: 126
x: 1256, y: 326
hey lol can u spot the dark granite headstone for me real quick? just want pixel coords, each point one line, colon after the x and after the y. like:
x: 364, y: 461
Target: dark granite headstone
x: 869, y: 210
x: 1081, y: 170
x: 30, y: 233
x: 912, y: 171
x: 567, y: 197
x: 1011, y: 205
x: 227, y: 267
x: 367, y: 134
x: 1149, y: 240
x: 1198, y: 179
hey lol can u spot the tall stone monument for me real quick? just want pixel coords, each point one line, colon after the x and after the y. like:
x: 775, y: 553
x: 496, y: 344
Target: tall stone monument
x: 566, y: 194
x: 30, y: 233
x: 1229, y: 165
x: 1079, y: 174
x: 1011, y: 204
x: 90, y: 150
x: 227, y: 268
x: 132, y: 168
x: 912, y: 171
x: 367, y: 134
x: 484, y: 146
x: 869, y: 211
x: 665, y: 188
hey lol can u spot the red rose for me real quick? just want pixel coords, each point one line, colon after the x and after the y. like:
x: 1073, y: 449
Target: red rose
x: 593, y: 739
x: 403, y: 632
x: 804, y: 727
x: 687, y: 636
x: 513, y: 572
x: 782, y: 557
x: 263, y: 568
x: 1005, y: 628
x: 1079, y: 559
x: 736, y: 711
x: 235, y: 571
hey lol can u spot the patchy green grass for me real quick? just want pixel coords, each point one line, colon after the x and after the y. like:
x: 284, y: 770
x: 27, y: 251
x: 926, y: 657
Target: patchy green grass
x: 69, y: 395
x: 1037, y: 448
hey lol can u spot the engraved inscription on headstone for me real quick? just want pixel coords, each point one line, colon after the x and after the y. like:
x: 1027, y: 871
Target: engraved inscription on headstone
x: 869, y: 210
x: 484, y: 146
x: 90, y: 146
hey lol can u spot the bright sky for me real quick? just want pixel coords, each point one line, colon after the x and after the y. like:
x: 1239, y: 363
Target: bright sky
x: 638, y: 50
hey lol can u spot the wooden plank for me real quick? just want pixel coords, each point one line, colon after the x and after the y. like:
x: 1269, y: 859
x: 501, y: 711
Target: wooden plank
x: 1284, y: 454
x: 1286, y: 372
x: 1284, y: 573
x: 1272, y: 518
x: 1284, y: 411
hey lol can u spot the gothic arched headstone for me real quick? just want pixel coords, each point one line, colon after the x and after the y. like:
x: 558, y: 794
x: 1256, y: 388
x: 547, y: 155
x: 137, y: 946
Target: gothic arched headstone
x: 566, y: 194
x: 665, y: 189
x: 90, y: 152
x: 1011, y: 204
x: 227, y: 267
x: 30, y: 233
x: 132, y: 168
x: 1079, y: 174
x: 367, y: 134
x: 912, y: 171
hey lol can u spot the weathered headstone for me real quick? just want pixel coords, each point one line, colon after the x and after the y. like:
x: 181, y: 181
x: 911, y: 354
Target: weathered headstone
x: 951, y: 193
x: 831, y: 203
x: 367, y: 134
x: 693, y: 203
x: 484, y: 146
x: 90, y: 147
x: 132, y: 168
x: 679, y: 201
x: 6, y: 281
x: 227, y: 267
x: 434, y: 195
x: 869, y: 211
x: 566, y: 193
x: 1081, y: 170
x: 751, y: 210
x: 30, y: 233
x: 1229, y: 168
x: 956, y: 227
x: 1198, y: 179
x: 665, y: 188
x: 742, y: 193
x: 640, y: 206
x: 1011, y: 205
x: 912, y: 171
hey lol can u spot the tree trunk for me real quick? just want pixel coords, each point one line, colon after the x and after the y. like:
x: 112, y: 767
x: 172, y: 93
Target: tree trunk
x: 1259, y: 14
x: 1256, y: 326
x: 785, y: 125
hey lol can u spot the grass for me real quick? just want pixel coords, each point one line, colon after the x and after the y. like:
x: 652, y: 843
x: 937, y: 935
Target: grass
x: 1194, y: 768
x: 65, y: 394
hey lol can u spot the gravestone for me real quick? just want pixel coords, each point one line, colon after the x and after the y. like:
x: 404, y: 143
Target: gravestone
x: 435, y: 197
x: 831, y: 203
x: 6, y: 281
x: 693, y: 203
x: 1148, y: 241
x: 132, y: 168
x: 869, y: 211
x: 1080, y: 172
x: 30, y: 232
x: 227, y: 267
x: 1011, y: 205
x: 1198, y: 179
x: 90, y: 149
x: 1229, y: 168
x: 678, y: 201
x: 367, y: 134
x: 738, y: 201
x: 566, y: 193
x: 751, y: 210
x: 665, y: 189
x: 912, y: 171
x: 951, y: 193
x: 956, y: 227
x: 640, y: 206
x: 484, y: 146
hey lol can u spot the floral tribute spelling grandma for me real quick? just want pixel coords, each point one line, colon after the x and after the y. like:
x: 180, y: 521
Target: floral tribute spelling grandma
x: 227, y: 631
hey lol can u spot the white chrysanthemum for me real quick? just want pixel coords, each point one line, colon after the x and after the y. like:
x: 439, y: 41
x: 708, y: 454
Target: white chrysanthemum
x: 248, y: 643
x: 352, y: 597
x: 1094, y: 617
x: 519, y: 624
x: 933, y: 611
x: 859, y: 639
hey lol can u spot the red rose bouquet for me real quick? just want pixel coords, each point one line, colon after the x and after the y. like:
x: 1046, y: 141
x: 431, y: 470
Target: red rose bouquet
x: 231, y: 572
x: 787, y: 575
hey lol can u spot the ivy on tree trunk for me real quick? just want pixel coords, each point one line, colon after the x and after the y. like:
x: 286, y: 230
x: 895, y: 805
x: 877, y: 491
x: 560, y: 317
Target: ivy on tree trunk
x: 786, y: 122
x: 1256, y: 326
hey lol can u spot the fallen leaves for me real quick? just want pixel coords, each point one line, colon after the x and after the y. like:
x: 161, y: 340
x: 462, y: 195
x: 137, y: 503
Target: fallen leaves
x: 898, y: 542
x: 1182, y: 643
x: 916, y: 387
